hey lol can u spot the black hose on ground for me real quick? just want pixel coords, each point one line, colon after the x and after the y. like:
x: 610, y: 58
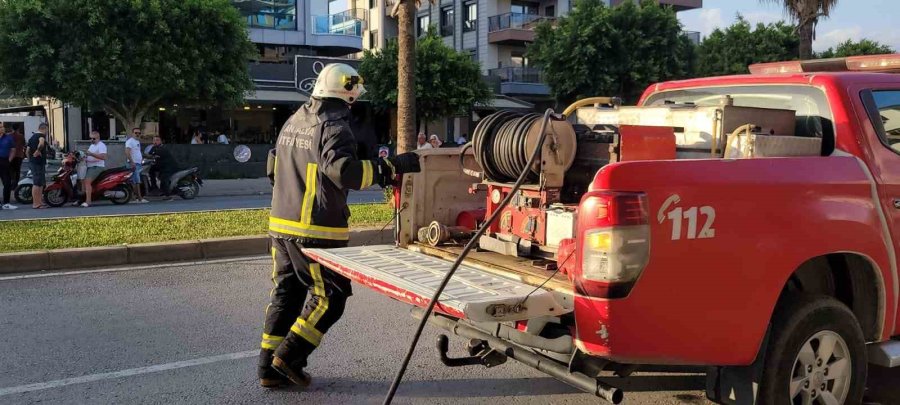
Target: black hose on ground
x: 389, y: 398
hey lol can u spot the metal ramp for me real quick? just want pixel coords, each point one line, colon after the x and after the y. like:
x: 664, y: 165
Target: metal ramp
x: 413, y: 277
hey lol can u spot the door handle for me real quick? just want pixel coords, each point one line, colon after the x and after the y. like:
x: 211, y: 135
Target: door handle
x: 897, y: 203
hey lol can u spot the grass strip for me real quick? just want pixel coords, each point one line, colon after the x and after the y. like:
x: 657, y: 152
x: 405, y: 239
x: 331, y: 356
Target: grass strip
x: 40, y: 234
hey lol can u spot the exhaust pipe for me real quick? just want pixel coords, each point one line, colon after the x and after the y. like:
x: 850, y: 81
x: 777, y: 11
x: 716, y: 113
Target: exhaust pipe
x: 114, y: 194
x: 528, y: 358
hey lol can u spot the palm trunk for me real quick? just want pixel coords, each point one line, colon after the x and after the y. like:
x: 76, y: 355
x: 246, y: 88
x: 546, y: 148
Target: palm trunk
x: 406, y: 78
x: 806, y: 39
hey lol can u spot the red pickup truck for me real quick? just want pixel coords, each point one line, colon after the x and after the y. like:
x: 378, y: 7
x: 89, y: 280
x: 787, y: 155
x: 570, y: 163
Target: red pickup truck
x: 773, y: 268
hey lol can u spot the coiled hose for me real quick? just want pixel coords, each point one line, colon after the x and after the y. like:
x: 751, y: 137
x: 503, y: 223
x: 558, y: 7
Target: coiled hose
x: 548, y: 114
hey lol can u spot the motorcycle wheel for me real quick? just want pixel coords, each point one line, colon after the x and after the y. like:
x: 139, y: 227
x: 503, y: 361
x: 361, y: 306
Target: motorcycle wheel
x: 56, y: 198
x: 23, y: 194
x: 125, y: 189
x: 189, y: 191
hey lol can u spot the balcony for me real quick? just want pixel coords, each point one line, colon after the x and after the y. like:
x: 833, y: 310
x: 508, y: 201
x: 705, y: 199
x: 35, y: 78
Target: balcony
x: 520, y: 81
x: 343, y: 31
x: 514, y: 28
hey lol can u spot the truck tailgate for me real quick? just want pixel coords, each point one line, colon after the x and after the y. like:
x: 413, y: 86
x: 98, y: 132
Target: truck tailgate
x: 413, y: 277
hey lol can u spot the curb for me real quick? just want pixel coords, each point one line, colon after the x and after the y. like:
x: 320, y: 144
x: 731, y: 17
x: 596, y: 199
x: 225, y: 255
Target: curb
x: 162, y: 252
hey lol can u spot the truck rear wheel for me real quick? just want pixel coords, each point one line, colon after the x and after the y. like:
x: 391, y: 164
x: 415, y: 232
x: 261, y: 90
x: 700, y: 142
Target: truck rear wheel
x: 816, y: 355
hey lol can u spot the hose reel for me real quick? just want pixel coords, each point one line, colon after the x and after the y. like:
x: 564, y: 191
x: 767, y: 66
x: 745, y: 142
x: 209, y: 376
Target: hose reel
x: 503, y: 142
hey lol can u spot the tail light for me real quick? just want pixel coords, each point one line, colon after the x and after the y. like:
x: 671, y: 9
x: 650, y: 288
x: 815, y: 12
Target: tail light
x: 615, y: 243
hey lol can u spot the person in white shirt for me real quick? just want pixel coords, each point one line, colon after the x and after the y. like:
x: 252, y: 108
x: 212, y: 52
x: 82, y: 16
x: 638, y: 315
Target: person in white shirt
x: 222, y: 139
x: 96, y: 164
x: 422, y: 142
x: 461, y: 140
x: 133, y: 160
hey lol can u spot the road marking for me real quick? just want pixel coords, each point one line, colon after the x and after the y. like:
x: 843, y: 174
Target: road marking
x: 131, y: 268
x: 125, y: 373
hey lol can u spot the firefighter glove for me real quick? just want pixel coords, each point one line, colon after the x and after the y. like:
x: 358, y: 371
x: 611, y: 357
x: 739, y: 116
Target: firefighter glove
x: 270, y: 166
x: 390, y: 167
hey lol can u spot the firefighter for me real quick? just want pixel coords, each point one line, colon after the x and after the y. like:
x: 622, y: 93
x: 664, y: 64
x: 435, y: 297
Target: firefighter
x: 313, y: 166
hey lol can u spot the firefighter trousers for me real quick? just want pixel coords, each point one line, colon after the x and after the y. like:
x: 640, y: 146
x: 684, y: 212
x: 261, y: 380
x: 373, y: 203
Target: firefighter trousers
x: 293, y: 330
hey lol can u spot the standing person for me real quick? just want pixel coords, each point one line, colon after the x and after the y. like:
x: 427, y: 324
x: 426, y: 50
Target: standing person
x: 197, y: 139
x: 166, y: 166
x: 96, y: 164
x: 7, y: 144
x: 15, y: 167
x: 37, y: 162
x: 133, y: 160
x: 422, y: 142
x: 315, y: 168
x: 154, y: 169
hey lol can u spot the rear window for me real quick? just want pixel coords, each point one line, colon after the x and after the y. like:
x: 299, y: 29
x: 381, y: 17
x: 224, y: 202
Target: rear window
x: 814, y: 117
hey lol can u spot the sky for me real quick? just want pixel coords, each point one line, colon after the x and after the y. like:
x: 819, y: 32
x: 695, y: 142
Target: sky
x: 851, y: 19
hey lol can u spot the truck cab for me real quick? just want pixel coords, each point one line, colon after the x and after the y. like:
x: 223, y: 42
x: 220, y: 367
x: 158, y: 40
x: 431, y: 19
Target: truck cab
x: 745, y: 224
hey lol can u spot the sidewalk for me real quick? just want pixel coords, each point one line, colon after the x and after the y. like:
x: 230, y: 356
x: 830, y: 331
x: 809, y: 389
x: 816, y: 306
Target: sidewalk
x: 236, y: 187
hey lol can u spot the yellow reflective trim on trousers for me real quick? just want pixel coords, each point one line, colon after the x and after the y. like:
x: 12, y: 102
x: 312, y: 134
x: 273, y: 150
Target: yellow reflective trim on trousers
x: 307, y: 332
x: 344, y: 235
x: 315, y: 270
x: 310, y: 194
x: 367, y: 176
x: 271, y: 342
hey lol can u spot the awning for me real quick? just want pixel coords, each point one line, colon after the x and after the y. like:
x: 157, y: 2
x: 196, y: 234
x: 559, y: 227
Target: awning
x: 26, y: 108
x: 277, y: 97
x: 500, y: 102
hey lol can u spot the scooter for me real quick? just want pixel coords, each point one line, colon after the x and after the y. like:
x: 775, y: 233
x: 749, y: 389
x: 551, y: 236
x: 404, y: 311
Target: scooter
x: 185, y: 183
x: 113, y: 184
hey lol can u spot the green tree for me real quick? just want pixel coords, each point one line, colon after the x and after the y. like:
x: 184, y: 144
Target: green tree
x: 447, y: 82
x: 730, y: 51
x: 806, y: 13
x: 851, y: 48
x: 125, y: 57
x: 597, y: 50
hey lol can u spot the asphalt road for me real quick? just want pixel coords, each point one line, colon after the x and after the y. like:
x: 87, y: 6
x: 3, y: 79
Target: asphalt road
x: 157, y: 206
x: 189, y: 333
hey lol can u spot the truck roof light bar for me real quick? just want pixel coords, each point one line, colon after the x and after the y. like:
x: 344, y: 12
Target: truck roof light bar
x: 888, y: 63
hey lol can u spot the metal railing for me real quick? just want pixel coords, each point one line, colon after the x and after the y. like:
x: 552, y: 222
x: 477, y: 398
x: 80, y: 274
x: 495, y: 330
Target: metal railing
x: 518, y: 74
x: 515, y: 21
x: 351, y: 22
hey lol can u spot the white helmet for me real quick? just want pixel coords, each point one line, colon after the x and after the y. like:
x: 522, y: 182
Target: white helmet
x: 339, y: 80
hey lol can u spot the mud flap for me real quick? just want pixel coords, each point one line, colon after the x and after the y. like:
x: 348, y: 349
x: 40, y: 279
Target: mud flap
x: 737, y: 385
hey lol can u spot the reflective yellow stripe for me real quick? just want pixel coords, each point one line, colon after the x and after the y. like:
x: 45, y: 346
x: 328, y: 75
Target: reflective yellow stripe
x: 299, y: 225
x: 319, y: 291
x: 391, y: 165
x: 307, y: 332
x: 271, y: 342
x: 309, y: 233
x: 310, y: 194
x: 367, y: 176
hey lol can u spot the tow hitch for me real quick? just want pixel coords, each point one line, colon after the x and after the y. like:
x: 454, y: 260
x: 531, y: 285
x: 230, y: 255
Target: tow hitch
x: 489, y: 346
x: 479, y: 354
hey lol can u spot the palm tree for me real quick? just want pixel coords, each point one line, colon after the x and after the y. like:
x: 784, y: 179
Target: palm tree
x: 405, y: 11
x: 806, y: 14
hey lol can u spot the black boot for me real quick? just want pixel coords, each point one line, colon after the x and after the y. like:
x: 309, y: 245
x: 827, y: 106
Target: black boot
x: 268, y: 377
x: 290, y: 359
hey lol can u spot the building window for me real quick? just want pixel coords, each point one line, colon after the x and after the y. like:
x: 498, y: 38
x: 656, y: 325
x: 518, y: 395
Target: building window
x: 518, y: 59
x: 274, y: 14
x: 524, y: 7
x: 447, y: 20
x: 473, y: 53
x: 373, y: 39
x: 470, y: 16
x: 422, y: 24
x: 550, y: 11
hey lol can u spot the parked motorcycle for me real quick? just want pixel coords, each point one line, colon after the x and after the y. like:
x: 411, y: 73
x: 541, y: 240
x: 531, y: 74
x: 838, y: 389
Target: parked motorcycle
x: 23, y: 189
x: 185, y: 183
x: 112, y: 184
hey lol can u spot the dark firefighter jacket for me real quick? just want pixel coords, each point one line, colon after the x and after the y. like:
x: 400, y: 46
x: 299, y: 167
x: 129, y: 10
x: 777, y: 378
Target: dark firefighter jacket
x: 315, y: 166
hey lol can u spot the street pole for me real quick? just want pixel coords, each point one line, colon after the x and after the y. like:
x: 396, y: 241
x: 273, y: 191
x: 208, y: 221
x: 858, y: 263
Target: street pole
x: 406, y: 77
